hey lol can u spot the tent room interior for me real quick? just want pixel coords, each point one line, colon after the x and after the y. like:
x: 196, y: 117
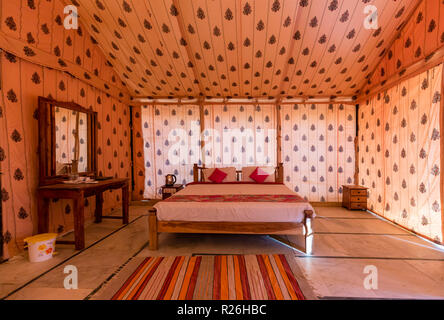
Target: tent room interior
x: 221, y: 149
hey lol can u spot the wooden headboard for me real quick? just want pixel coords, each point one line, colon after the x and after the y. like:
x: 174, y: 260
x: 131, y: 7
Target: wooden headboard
x: 198, y: 175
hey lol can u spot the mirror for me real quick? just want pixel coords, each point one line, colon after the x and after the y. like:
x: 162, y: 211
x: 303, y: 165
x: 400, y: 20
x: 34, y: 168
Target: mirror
x: 67, y: 141
x: 71, y: 141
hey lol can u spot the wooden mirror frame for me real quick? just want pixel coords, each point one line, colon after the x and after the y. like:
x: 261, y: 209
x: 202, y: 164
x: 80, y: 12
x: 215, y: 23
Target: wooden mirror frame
x: 47, y: 160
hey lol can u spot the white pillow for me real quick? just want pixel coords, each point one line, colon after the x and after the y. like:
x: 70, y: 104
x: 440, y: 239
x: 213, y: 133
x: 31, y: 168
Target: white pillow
x: 247, y: 171
x: 230, y: 171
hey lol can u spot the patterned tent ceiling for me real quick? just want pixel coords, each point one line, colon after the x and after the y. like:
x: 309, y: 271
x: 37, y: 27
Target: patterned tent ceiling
x: 243, y: 48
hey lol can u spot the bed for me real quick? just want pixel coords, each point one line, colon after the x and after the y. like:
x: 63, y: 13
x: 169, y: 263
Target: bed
x: 236, y: 207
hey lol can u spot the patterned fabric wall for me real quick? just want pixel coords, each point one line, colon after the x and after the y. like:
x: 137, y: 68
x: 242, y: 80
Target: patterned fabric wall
x: 318, y: 149
x: 34, y: 30
x: 22, y: 83
x: 400, y: 153
x: 138, y: 154
x: 243, y: 47
x: 239, y: 136
x: 171, y: 144
x: 423, y: 34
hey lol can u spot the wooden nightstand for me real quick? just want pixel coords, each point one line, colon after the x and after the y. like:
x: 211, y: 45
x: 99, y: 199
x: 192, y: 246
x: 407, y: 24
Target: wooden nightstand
x: 354, y: 197
x: 168, y: 191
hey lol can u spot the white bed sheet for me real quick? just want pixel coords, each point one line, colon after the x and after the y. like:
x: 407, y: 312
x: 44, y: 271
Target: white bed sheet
x: 233, y: 211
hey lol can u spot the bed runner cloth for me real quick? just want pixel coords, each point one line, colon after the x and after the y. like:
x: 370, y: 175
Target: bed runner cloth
x: 287, y: 198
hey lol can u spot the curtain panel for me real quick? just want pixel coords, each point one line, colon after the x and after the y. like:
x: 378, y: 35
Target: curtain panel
x: 171, y: 138
x: 239, y: 135
x: 318, y: 149
x: 400, y: 153
x: 233, y: 135
x: 317, y: 143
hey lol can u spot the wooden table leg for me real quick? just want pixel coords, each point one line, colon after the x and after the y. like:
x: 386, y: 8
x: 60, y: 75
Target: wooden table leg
x: 99, y: 207
x: 79, y: 221
x: 125, y: 204
x: 43, y: 214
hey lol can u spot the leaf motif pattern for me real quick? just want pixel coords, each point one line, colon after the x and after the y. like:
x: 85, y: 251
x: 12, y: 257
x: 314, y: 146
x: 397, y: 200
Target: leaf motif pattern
x: 208, y: 59
x: 410, y: 144
x: 18, y: 113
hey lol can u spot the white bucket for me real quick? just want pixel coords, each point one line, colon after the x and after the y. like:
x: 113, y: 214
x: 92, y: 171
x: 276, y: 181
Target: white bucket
x: 41, y: 247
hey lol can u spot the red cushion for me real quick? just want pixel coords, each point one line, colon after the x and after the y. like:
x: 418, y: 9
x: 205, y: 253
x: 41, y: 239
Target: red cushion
x: 217, y: 176
x: 259, y: 175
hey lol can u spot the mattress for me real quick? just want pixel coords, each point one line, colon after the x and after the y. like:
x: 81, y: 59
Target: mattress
x: 234, y: 202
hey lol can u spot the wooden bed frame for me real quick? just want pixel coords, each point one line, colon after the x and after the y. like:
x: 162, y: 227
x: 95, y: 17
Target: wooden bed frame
x: 274, y: 229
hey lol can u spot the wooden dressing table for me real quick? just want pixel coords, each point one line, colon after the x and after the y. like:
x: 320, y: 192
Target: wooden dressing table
x: 67, y: 139
x: 78, y: 193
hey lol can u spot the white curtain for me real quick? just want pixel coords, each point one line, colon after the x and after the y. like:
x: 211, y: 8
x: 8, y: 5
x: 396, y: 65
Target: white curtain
x: 171, y: 135
x: 317, y: 143
x: 318, y: 149
x: 239, y: 135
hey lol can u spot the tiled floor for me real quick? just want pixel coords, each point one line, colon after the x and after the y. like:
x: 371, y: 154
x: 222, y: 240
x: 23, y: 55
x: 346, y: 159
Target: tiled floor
x: 108, y: 245
x: 344, y: 244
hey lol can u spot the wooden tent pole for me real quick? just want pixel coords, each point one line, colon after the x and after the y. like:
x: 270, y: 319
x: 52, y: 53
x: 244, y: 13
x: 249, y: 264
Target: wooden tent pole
x: 356, y: 177
x: 75, y: 162
x: 202, y: 129
x: 278, y: 132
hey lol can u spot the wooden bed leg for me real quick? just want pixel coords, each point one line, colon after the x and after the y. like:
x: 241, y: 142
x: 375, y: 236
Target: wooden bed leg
x: 280, y: 173
x: 308, y: 231
x: 152, y: 225
x: 196, y: 173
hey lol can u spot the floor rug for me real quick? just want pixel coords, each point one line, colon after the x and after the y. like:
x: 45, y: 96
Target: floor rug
x: 215, y: 277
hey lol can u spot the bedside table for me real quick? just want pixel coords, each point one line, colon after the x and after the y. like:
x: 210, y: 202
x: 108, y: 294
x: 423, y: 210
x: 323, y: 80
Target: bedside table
x: 168, y: 191
x: 354, y: 197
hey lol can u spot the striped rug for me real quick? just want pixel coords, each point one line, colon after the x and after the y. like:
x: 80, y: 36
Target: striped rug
x: 239, y: 277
